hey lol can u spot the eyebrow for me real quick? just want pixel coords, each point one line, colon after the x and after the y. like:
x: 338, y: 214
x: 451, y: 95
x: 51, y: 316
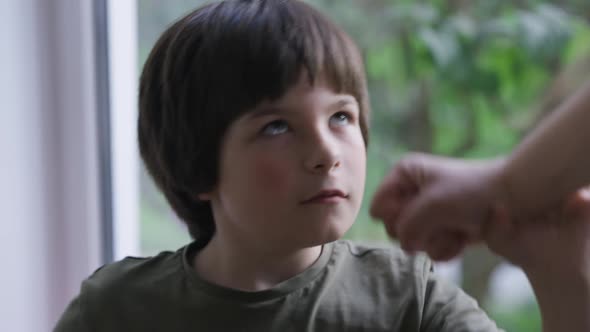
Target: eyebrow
x: 264, y: 111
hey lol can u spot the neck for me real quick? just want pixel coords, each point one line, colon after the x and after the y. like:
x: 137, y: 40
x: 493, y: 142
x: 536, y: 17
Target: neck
x: 236, y: 265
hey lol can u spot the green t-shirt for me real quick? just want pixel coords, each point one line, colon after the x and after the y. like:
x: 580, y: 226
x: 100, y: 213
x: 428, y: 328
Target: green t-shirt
x: 350, y: 287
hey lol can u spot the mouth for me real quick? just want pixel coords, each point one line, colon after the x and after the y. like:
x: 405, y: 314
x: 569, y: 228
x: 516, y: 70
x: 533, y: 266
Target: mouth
x: 326, y: 196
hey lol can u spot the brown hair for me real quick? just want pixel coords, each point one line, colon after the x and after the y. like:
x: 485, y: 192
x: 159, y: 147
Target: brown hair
x: 218, y: 62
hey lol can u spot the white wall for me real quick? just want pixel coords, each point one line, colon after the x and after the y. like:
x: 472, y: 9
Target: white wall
x: 49, y: 194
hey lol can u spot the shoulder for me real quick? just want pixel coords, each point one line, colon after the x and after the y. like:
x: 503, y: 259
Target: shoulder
x: 385, y: 266
x: 136, y: 272
x: 134, y: 279
x: 437, y: 304
x: 381, y: 279
x: 383, y: 256
x: 448, y: 308
x: 118, y: 289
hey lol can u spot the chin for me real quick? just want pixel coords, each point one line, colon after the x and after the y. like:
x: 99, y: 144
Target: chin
x: 333, y: 231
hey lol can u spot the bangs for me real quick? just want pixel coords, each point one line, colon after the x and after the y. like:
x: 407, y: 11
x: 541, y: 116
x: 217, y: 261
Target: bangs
x: 256, y: 50
x: 294, y: 39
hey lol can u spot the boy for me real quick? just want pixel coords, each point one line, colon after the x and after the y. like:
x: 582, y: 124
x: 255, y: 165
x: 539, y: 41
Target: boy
x: 253, y: 123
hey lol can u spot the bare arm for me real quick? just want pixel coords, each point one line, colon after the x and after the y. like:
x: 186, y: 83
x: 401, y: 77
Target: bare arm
x: 564, y: 304
x: 555, y: 256
x: 554, y: 160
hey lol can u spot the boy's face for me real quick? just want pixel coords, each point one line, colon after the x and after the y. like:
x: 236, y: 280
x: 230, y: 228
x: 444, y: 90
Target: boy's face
x: 292, y: 171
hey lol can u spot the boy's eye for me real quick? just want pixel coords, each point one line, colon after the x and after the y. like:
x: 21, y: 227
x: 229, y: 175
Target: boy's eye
x: 275, y: 128
x: 340, y: 119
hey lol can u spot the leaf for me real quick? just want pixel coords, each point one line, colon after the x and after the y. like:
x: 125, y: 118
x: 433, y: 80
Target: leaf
x: 443, y: 45
x: 544, y: 31
x: 464, y: 26
x: 415, y: 14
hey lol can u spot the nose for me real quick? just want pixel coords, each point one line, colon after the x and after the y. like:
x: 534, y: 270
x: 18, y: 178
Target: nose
x: 323, y: 155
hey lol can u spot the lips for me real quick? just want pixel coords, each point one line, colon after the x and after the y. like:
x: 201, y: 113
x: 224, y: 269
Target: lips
x: 327, y: 196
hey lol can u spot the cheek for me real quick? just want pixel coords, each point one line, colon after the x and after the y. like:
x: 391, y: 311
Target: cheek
x: 272, y: 176
x: 358, y: 160
x: 357, y: 151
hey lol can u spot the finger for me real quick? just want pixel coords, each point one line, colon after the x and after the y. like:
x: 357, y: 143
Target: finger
x: 391, y: 214
x: 499, y: 229
x: 415, y: 224
x: 390, y: 228
x: 498, y: 221
x: 389, y: 211
x: 446, y: 246
x: 402, y: 181
x: 391, y: 195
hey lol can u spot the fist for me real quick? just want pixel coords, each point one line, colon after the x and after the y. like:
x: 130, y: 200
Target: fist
x: 438, y: 204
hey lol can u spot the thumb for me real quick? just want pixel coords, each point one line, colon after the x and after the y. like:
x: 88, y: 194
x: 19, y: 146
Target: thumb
x: 499, y: 231
x: 499, y: 222
x: 396, y: 190
x: 417, y: 223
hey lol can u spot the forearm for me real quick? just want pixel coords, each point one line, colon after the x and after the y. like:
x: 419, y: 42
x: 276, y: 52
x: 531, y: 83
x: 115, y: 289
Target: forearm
x: 564, y: 302
x: 554, y: 160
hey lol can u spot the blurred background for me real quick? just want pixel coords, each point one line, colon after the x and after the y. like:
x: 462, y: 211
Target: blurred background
x: 463, y: 78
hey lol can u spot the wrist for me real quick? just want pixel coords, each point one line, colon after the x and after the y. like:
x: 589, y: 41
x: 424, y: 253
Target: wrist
x: 499, y: 183
x: 564, y: 300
